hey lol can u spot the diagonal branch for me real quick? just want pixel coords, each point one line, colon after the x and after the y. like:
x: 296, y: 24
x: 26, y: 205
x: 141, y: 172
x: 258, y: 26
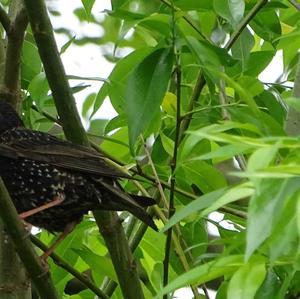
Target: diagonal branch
x: 63, y: 264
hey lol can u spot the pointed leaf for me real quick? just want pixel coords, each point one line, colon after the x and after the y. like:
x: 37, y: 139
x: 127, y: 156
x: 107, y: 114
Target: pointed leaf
x: 146, y: 87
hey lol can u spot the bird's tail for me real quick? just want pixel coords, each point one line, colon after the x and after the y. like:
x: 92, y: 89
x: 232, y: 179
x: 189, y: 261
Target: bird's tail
x: 135, y: 204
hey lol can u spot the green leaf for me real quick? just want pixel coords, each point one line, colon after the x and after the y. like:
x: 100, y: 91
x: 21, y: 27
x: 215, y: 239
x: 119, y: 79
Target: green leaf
x: 31, y: 62
x: 247, y: 279
x: 233, y: 194
x: 265, y: 209
x: 257, y: 62
x: 207, y: 54
x: 245, y: 96
x: 224, y: 152
x: 253, y: 86
x: 262, y: 158
x: 194, y: 206
x: 206, y: 272
x: 38, y: 89
x: 231, y: 10
x: 64, y: 48
x: 203, y: 175
x: 237, y: 8
x: 115, y: 123
x: 270, y: 287
x: 194, y: 5
x: 242, y: 47
x: 88, y: 5
x: 97, y: 262
x: 266, y: 24
x: 146, y: 87
x: 115, y: 85
x: 167, y: 143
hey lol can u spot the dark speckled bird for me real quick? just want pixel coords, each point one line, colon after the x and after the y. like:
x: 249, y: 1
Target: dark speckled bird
x: 38, y: 168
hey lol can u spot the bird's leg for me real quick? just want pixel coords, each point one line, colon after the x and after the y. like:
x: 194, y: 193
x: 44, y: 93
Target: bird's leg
x: 68, y: 229
x: 56, y: 201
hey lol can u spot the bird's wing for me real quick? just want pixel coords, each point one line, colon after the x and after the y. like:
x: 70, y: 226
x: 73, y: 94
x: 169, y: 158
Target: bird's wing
x: 46, y: 148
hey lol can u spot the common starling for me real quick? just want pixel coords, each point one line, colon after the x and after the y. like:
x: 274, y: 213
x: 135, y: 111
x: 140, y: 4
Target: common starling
x: 38, y: 168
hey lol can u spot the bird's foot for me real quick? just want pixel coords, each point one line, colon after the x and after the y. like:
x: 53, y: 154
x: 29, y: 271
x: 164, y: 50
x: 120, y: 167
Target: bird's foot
x: 57, y: 201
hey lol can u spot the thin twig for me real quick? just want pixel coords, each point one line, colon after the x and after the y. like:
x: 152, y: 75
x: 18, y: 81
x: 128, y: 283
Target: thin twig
x: 63, y: 264
x: 252, y: 13
x: 173, y: 165
x: 157, y: 180
x: 234, y: 212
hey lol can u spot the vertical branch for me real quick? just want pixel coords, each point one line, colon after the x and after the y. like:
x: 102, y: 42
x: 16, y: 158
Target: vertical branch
x: 114, y: 236
x: 173, y: 168
x: 15, y: 37
x: 173, y: 163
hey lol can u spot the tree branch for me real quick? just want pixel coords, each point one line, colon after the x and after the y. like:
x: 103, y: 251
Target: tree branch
x: 63, y: 264
x: 15, y: 37
x: 14, y: 279
x: 39, y: 275
x: 62, y: 94
x: 64, y: 101
x: 173, y: 165
x: 4, y: 19
x: 114, y: 236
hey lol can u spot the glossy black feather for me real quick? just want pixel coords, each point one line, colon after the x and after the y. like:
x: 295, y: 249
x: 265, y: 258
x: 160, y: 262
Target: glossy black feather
x: 37, y: 167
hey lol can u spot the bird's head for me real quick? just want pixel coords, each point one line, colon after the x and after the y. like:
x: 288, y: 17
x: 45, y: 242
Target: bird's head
x: 8, y: 117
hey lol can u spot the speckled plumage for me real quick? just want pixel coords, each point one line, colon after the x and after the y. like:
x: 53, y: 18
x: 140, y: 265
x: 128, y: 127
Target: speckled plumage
x: 37, y: 167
